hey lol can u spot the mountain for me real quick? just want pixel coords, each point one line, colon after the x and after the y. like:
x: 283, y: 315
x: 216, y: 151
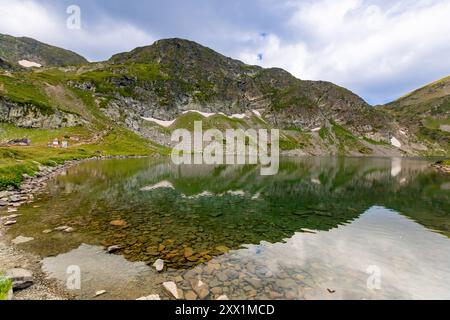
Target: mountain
x: 317, y: 117
x: 425, y: 113
x: 153, y: 90
x: 14, y: 49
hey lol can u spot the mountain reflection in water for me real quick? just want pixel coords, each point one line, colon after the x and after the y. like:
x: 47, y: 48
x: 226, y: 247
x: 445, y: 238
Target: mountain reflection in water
x: 366, y: 212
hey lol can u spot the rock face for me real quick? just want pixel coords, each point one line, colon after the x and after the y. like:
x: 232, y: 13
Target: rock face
x: 21, y: 278
x: 31, y: 116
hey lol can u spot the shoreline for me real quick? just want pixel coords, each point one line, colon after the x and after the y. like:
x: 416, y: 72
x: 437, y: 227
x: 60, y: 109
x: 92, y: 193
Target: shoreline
x: 441, y: 168
x: 11, y: 256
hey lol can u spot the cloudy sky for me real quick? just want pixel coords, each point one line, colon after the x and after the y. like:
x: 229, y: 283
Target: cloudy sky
x: 380, y: 49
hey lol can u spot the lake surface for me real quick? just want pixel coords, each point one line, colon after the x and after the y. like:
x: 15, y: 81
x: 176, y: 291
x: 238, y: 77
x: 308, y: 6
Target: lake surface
x: 323, y: 228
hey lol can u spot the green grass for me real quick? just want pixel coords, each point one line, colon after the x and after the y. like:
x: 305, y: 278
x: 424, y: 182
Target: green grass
x: 374, y: 142
x: 435, y: 124
x: 21, y: 89
x: 325, y: 135
x: 41, y: 137
x: 348, y: 140
x: 444, y: 162
x: 220, y: 122
x: 17, y: 161
x: 5, y: 286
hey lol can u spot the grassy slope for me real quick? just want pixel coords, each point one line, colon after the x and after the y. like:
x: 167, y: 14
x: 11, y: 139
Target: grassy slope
x: 426, y: 112
x: 48, y: 90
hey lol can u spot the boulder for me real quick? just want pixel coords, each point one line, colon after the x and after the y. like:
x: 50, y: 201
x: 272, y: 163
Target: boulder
x: 21, y: 278
x: 190, y: 295
x: 113, y: 249
x: 100, y: 293
x: 201, y: 289
x: 15, y: 198
x: 172, y: 289
x: 21, y: 239
x: 159, y: 265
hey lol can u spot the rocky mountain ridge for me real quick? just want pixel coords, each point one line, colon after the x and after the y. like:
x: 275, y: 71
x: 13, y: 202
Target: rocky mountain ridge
x: 14, y: 50
x: 155, y: 89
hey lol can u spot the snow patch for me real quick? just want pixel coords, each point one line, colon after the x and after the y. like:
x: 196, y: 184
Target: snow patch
x: 29, y: 64
x: 167, y: 124
x: 395, y: 142
x: 162, y: 123
x: 257, y: 113
x: 316, y: 129
x: 239, y: 116
x: 204, y: 114
x: 396, y: 167
x: 200, y: 195
x: 160, y: 185
x: 239, y: 193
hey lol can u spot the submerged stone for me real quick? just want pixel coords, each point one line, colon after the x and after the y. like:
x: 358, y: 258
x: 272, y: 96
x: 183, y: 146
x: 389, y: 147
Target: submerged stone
x: 118, y: 223
x: 172, y: 289
x: 159, y: 265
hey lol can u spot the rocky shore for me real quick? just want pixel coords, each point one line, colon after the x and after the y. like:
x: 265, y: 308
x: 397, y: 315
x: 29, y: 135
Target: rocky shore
x: 442, y: 167
x: 23, y: 268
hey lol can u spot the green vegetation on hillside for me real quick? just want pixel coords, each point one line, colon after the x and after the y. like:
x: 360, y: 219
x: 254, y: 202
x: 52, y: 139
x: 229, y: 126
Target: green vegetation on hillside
x: 17, y: 161
x: 5, y: 287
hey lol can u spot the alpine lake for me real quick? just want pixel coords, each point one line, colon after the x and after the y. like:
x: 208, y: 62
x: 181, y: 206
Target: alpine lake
x: 322, y: 228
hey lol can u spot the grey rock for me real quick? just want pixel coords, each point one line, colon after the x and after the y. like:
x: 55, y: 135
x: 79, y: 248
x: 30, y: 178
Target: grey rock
x: 172, y: 289
x: 21, y: 239
x: 62, y: 228
x: 255, y: 283
x: 10, y: 223
x: 159, y: 265
x: 15, y: 198
x: 21, y: 278
x: 113, y: 249
x: 100, y: 293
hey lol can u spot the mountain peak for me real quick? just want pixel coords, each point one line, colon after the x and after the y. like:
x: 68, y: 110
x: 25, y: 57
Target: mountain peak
x: 15, y: 49
x: 176, y: 50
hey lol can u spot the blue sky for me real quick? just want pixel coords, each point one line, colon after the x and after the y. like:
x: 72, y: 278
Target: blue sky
x: 380, y: 49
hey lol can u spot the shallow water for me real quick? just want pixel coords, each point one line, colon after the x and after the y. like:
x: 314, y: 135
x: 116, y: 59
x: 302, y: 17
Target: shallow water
x: 323, y: 228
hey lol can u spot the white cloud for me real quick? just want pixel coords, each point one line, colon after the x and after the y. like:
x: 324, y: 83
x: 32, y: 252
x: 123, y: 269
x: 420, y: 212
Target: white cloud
x: 358, y: 44
x: 380, y: 49
x: 47, y: 24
